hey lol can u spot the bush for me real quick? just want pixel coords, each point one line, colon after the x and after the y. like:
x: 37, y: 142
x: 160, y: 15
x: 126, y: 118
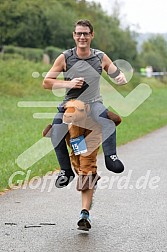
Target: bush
x: 8, y: 56
x: 53, y: 52
x: 33, y: 54
x: 17, y: 79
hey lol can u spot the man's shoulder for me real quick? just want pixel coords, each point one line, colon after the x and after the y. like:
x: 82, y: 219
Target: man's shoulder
x: 69, y: 52
x: 98, y: 53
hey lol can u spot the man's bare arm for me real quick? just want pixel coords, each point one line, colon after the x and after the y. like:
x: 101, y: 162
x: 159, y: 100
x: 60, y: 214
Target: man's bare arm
x: 113, y: 71
x: 51, y: 82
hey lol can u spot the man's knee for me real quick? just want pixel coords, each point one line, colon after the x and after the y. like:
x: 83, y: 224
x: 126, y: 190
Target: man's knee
x: 58, y: 134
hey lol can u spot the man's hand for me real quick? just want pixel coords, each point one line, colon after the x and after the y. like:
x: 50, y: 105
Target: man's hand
x: 76, y: 82
x: 121, y: 79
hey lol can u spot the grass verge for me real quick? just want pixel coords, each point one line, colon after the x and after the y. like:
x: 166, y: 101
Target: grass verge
x: 19, y: 130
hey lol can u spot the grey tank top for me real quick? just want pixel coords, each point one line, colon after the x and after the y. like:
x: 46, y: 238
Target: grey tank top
x: 90, y: 69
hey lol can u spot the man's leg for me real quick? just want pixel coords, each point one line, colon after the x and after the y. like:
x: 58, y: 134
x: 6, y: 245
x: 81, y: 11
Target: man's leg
x: 99, y: 114
x: 59, y: 131
x: 87, y: 198
x: 84, y: 222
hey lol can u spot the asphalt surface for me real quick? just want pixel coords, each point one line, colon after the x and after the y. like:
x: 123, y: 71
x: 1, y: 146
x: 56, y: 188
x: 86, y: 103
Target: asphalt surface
x: 129, y: 211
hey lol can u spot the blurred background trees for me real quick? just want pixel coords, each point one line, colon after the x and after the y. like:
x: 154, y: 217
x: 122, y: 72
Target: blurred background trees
x: 42, y: 24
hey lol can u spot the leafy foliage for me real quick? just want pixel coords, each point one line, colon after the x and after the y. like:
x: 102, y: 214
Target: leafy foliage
x: 34, y: 54
x: 41, y: 24
x: 154, y: 53
x: 53, y: 52
x: 28, y: 23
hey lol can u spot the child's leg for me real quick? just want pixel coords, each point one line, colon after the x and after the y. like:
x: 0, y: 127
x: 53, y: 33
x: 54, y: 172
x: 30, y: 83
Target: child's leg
x: 99, y: 114
x: 59, y: 131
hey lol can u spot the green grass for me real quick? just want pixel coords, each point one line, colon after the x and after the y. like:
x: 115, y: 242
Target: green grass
x: 149, y: 116
x: 19, y: 130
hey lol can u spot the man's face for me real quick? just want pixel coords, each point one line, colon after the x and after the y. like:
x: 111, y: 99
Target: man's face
x: 82, y: 36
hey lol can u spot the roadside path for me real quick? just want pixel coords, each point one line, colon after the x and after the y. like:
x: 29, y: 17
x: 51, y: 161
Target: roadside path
x: 129, y: 211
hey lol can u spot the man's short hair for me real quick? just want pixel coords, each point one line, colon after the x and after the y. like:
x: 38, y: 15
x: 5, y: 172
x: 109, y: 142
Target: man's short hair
x: 84, y: 22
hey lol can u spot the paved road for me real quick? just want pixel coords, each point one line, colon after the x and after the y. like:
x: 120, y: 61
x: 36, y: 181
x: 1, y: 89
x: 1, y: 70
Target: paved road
x: 129, y: 212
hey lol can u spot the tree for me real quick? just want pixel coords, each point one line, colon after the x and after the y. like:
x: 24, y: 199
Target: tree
x: 39, y: 23
x: 154, y: 53
x: 23, y: 23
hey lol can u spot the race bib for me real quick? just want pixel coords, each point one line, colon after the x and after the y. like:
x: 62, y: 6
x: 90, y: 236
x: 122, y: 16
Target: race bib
x: 78, y: 145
